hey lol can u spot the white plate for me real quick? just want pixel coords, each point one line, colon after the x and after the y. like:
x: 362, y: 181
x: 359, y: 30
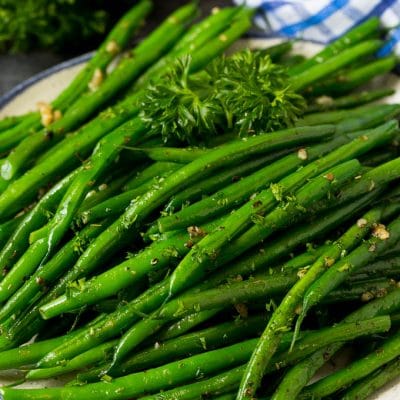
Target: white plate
x: 46, y: 85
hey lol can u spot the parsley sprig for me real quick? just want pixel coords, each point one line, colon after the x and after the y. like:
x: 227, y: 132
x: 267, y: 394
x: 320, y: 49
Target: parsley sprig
x: 245, y: 93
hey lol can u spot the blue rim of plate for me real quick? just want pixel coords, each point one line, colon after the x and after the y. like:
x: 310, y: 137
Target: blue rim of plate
x: 21, y: 87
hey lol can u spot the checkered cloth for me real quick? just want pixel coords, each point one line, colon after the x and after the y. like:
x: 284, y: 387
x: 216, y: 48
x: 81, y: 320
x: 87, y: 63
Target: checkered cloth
x: 325, y: 20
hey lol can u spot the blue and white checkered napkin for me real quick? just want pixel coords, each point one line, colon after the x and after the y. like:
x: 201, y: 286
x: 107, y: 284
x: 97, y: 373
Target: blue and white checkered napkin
x: 325, y: 20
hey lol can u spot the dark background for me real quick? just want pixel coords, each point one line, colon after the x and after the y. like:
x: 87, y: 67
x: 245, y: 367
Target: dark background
x: 16, y: 68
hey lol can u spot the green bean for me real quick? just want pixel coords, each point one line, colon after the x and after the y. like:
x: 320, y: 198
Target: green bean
x: 109, y: 187
x: 326, y: 103
x: 183, y: 278
x: 184, y: 346
x: 8, y: 228
x: 152, y: 171
x: 344, y: 83
x: 20, y: 192
x: 361, y: 290
x: 92, y: 198
x: 182, y: 371
x: 9, y: 122
x: 115, y: 41
x: 210, y: 246
x: 15, y: 134
x: 381, y: 240
x: 339, y: 295
x: 301, y: 80
x: 365, y: 387
x: 190, y: 270
x: 354, y: 36
x: 96, y: 354
x: 229, y: 175
x: 150, y: 49
x: 337, y: 116
x: 358, y: 369
x: 57, y: 306
x: 30, y: 353
x: 157, y: 256
x: 34, y: 219
x: 305, y: 259
x: 50, y: 271
x: 386, y: 266
x: 197, y: 36
x: 205, y: 300
x: 237, y: 192
x: 122, y: 318
x: 299, y: 375
x: 172, y: 154
x: 283, y: 316
x: 213, y: 386
x: 267, y: 255
x: 104, y: 155
x: 225, y: 381
x: 216, y: 46
x: 115, y: 206
x: 169, y: 375
x: 186, y: 324
x: 135, y: 214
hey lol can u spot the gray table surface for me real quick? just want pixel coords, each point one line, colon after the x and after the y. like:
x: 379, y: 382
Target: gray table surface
x: 16, y: 68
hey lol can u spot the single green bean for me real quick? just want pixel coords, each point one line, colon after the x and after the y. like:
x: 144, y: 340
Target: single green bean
x: 326, y: 103
x: 186, y: 324
x: 172, y: 154
x: 29, y: 354
x: 216, y: 46
x: 8, y: 228
x: 336, y: 116
x: 152, y: 171
x: 9, y: 122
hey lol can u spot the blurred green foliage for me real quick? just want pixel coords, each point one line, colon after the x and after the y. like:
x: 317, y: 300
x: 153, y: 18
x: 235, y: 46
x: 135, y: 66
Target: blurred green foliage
x: 58, y: 25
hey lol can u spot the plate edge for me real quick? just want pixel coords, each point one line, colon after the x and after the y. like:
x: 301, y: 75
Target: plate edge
x: 22, y: 86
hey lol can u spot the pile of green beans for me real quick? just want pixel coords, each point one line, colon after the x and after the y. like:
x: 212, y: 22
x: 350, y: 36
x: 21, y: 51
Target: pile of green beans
x: 135, y: 266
